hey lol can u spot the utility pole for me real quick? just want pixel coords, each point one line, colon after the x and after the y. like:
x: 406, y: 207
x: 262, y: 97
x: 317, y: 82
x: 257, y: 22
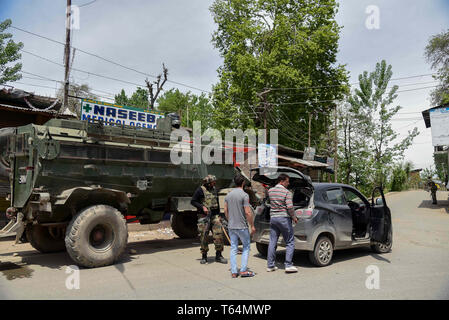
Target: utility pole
x: 266, y: 106
x: 67, y: 53
x: 310, y: 126
x: 335, y: 144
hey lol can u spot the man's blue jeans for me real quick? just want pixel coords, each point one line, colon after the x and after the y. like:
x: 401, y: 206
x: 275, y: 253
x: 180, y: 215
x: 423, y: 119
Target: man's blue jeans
x: 234, y: 235
x: 278, y: 226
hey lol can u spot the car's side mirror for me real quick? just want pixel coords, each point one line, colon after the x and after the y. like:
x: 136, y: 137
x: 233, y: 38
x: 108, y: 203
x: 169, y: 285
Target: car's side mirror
x: 379, y: 202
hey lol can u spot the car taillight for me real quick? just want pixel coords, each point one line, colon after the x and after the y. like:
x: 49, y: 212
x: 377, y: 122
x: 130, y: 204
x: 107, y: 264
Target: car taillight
x: 304, y: 213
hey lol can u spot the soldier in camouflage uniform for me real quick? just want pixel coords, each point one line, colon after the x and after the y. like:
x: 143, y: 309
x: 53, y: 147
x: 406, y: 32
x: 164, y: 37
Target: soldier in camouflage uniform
x: 206, y: 201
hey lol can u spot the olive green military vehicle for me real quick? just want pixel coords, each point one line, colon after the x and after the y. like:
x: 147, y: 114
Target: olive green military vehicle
x: 75, y: 185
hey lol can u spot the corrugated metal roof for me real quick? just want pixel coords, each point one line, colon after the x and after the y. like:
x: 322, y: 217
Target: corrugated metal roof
x: 29, y: 100
x: 308, y: 163
x: 28, y: 110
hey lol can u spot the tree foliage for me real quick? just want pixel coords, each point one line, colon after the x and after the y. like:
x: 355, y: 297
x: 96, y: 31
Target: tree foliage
x: 400, y: 177
x: 138, y: 99
x: 189, y: 106
x: 9, y: 53
x: 159, y: 86
x: 441, y: 165
x: 273, y: 44
x: 369, y: 146
x: 437, y: 54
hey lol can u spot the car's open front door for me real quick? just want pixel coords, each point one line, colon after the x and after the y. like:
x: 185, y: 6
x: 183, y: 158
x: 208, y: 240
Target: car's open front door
x: 380, y: 218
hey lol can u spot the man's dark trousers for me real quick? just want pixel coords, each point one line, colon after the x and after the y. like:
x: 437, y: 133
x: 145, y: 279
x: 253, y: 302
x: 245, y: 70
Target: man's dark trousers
x: 278, y: 226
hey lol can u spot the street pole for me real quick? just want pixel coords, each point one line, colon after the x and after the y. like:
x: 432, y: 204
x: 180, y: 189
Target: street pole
x: 67, y: 53
x: 310, y: 125
x: 335, y: 145
x: 266, y: 106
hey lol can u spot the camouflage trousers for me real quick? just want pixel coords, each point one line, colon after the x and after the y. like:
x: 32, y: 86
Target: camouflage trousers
x: 217, y: 233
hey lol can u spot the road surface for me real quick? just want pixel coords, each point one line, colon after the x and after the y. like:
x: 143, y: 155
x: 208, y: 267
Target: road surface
x: 169, y: 268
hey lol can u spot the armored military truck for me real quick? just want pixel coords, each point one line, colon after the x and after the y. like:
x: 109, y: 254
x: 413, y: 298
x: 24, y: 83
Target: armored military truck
x: 75, y: 185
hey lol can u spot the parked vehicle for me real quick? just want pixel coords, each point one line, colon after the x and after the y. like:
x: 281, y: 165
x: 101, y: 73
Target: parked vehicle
x: 331, y: 216
x: 75, y: 185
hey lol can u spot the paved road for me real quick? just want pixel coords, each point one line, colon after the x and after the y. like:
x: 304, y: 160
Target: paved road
x: 417, y: 268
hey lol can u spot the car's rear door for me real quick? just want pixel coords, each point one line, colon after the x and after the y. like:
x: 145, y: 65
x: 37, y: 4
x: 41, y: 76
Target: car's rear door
x: 380, y: 218
x: 340, y: 214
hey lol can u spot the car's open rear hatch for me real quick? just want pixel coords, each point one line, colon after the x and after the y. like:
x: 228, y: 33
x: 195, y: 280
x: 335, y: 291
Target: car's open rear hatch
x: 269, y: 175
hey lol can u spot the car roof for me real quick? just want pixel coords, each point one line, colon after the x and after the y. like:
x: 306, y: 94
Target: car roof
x: 325, y: 185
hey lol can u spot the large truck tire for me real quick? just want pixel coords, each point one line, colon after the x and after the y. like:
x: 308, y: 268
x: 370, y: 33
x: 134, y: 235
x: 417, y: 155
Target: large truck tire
x: 41, y: 239
x: 184, y: 225
x: 262, y: 248
x: 97, y: 236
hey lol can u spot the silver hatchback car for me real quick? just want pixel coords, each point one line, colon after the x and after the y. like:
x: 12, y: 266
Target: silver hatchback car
x: 331, y: 216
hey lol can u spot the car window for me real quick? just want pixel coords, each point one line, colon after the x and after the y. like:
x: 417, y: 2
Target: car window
x: 334, y: 196
x: 352, y: 196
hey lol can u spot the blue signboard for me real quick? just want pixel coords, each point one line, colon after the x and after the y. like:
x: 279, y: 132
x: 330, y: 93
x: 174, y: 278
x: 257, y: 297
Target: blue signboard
x: 114, y: 114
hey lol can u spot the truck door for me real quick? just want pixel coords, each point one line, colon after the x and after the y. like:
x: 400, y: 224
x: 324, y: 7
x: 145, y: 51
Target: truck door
x: 380, y: 218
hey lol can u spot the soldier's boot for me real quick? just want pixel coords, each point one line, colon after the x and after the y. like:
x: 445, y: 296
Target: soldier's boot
x: 204, y: 259
x: 219, y: 258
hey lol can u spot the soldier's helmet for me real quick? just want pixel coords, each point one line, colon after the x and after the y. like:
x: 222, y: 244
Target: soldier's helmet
x: 209, y: 179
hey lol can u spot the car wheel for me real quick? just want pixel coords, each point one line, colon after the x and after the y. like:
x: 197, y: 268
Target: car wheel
x: 262, y: 248
x: 378, y: 247
x: 322, y: 253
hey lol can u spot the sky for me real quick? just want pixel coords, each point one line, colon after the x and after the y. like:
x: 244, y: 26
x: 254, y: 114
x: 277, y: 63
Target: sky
x: 143, y: 34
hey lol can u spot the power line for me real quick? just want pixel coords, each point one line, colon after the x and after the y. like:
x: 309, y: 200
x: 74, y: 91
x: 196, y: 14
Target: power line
x: 417, y: 89
x: 34, y: 85
x: 351, y: 84
x: 139, y: 85
x: 58, y: 81
x: 146, y: 74
x: 108, y: 60
x: 390, y: 87
x: 202, y: 90
x: 84, y: 71
x: 86, y: 4
x: 48, y: 87
x: 409, y: 125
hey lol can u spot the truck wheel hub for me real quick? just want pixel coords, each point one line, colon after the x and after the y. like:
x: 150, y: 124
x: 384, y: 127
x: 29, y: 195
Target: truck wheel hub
x: 101, y: 237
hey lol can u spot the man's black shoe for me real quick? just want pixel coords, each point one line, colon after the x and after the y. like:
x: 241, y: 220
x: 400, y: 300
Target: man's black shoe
x: 204, y: 259
x: 219, y: 258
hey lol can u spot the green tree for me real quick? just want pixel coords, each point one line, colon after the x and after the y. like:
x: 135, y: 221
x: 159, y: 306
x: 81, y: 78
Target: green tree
x: 400, y: 177
x: 427, y: 173
x: 189, y: 106
x: 353, y: 151
x: 441, y: 164
x: 121, y: 98
x: 376, y: 146
x: 9, y: 53
x: 437, y: 54
x: 138, y: 99
x: 272, y: 46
